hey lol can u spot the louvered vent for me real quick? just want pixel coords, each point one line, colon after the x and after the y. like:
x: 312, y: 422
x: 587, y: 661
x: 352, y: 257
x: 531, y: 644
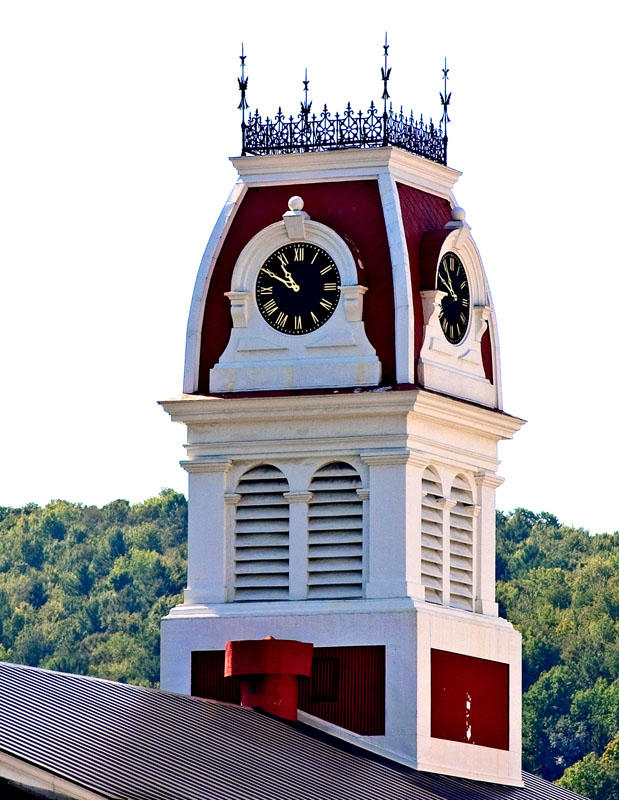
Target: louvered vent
x: 461, y: 546
x: 432, y: 537
x: 335, y: 533
x: 261, y: 536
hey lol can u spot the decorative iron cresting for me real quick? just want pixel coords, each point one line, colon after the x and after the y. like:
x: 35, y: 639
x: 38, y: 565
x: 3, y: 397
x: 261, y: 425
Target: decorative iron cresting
x: 326, y: 131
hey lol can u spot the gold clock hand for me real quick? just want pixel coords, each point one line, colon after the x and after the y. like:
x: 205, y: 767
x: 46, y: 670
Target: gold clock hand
x: 293, y: 284
x: 450, y: 287
x: 287, y: 281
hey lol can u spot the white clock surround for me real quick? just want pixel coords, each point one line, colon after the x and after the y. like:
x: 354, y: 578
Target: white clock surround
x: 457, y: 369
x: 258, y: 357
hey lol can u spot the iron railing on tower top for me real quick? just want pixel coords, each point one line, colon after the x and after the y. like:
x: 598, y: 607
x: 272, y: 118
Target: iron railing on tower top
x: 341, y: 131
x: 310, y: 132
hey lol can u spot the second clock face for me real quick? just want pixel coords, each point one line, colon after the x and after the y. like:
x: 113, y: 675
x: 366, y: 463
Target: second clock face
x: 298, y: 288
x: 455, y: 306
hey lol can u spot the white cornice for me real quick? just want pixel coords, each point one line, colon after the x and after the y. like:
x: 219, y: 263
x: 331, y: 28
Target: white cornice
x: 291, y: 608
x: 386, y: 458
x: 495, y: 424
x: 198, y: 409
x: 341, y: 165
x: 204, y: 465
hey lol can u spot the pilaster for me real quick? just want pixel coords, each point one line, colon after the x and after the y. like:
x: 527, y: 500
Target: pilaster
x: 388, y: 506
x: 446, y: 505
x: 487, y: 483
x: 297, y: 546
x: 231, y: 501
x: 415, y: 467
x: 206, y: 529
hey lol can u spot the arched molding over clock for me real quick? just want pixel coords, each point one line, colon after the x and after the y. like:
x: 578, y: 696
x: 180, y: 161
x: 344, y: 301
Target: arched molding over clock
x: 466, y: 363
x: 270, y: 348
x: 267, y: 241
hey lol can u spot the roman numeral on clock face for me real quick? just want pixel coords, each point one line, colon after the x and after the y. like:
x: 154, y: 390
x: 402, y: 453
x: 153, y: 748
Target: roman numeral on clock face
x: 297, y: 288
x: 454, y: 312
x: 270, y: 307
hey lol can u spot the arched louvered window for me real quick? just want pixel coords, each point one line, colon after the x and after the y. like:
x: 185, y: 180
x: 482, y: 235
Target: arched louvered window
x: 432, y: 536
x: 335, y: 533
x: 461, y: 545
x: 261, y: 536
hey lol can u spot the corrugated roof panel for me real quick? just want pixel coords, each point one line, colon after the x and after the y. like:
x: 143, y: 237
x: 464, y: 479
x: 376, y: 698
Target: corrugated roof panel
x: 142, y: 744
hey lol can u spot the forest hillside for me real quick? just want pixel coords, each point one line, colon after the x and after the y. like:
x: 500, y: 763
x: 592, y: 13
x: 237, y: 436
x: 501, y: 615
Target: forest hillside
x: 83, y: 589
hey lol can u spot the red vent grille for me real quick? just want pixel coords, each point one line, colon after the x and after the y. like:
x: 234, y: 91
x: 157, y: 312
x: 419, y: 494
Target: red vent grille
x: 346, y: 688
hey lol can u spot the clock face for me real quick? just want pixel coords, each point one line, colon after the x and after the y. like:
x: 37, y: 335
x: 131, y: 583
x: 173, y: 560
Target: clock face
x: 298, y: 288
x: 455, y: 309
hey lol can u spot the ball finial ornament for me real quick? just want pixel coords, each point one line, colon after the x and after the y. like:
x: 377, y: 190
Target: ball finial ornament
x: 458, y: 214
x: 296, y: 203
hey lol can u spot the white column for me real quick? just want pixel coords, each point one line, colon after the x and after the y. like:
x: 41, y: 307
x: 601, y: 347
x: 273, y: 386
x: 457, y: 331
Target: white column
x: 297, y: 544
x: 446, y: 505
x: 231, y: 501
x: 206, y: 531
x: 475, y: 521
x: 485, y: 542
x: 387, y: 523
x: 415, y: 468
x: 364, y: 496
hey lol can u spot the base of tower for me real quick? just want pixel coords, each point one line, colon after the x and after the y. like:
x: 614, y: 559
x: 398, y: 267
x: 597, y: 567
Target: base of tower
x: 452, y: 678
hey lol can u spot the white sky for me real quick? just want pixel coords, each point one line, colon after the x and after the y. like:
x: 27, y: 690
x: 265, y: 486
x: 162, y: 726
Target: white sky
x: 117, y: 121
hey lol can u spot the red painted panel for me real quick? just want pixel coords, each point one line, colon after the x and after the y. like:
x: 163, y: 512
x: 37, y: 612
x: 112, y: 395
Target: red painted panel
x: 421, y: 213
x: 429, y: 250
x: 207, y: 677
x: 346, y: 687
x: 486, y: 355
x: 470, y: 700
x: 354, y: 210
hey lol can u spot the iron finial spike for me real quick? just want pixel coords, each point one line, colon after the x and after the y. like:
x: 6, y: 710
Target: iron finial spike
x: 385, y: 72
x: 243, y: 81
x: 445, y: 100
x: 305, y: 106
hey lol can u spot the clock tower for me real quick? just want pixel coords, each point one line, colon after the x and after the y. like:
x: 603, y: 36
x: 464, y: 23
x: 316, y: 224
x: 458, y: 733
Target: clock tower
x: 342, y: 397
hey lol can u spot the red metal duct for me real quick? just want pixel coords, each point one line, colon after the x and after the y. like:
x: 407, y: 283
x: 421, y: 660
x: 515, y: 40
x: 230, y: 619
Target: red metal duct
x: 269, y: 670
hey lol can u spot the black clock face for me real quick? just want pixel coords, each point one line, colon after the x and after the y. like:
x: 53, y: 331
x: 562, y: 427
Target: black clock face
x: 455, y: 309
x: 298, y: 288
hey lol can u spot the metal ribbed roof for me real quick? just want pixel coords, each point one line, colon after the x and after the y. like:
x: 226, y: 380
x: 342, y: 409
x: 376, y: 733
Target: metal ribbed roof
x: 143, y: 744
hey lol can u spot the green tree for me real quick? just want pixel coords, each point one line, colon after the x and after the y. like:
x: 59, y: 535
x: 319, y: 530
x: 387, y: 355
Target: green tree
x: 595, y: 777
